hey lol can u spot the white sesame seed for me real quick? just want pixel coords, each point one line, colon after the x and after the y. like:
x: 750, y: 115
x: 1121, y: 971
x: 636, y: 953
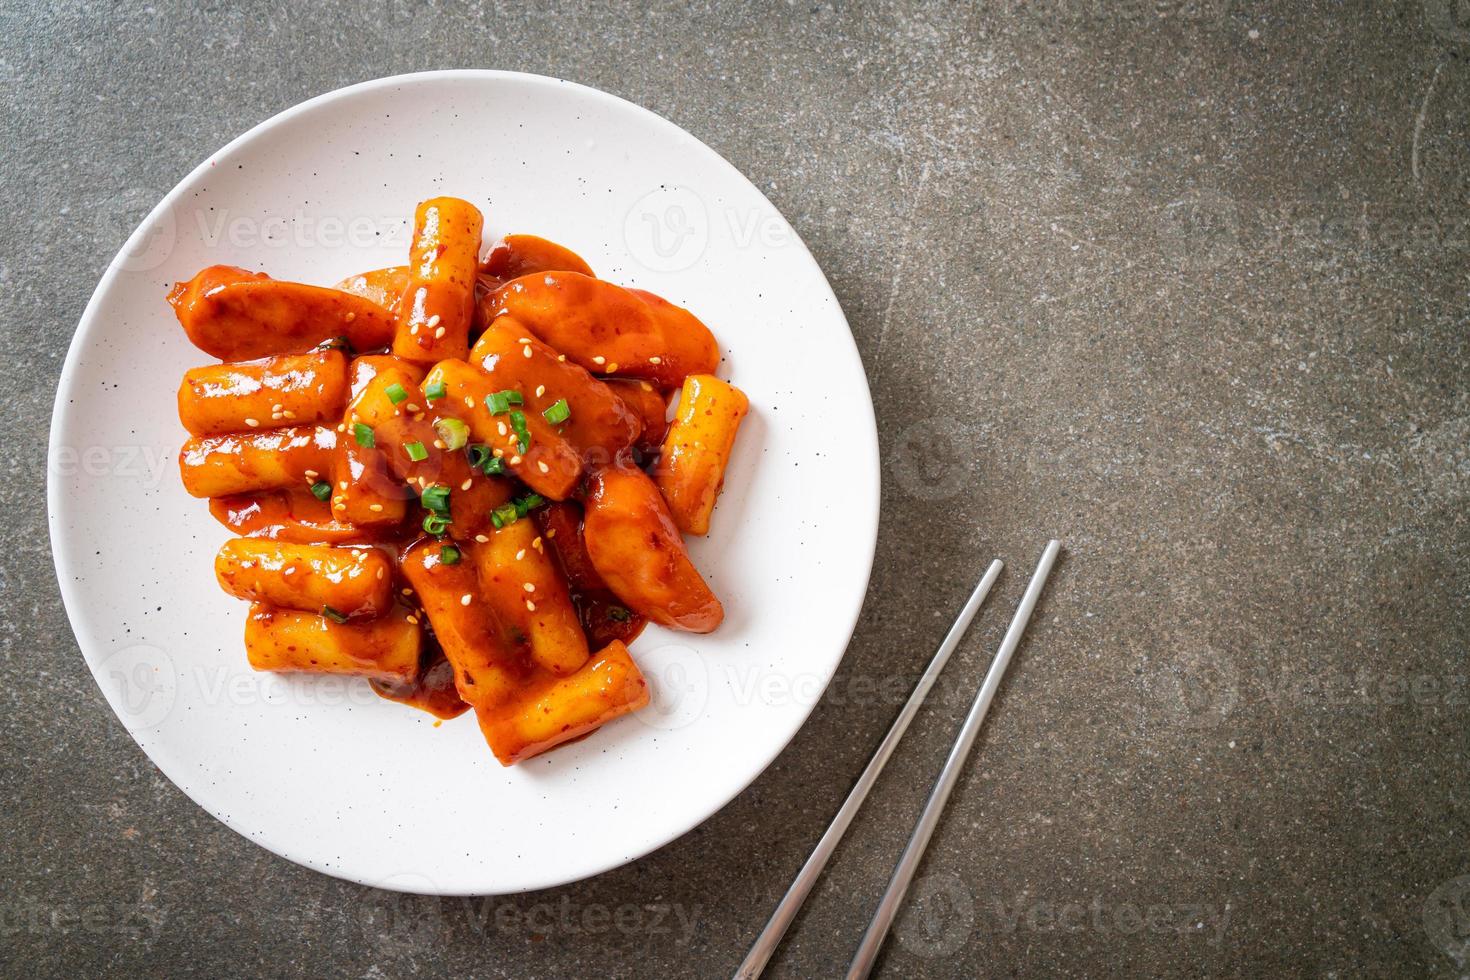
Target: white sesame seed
x: 342, y: 485
x: 438, y: 333
x: 497, y: 452
x: 411, y: 620
x: 520, y: 554
x: 289, y: 571
x: 500, y: 427
x: 381, y: 573
x: 655, y: 360
x: 515, y: 461
x: 561, y: 357
x: 646, y: 386
x: 469, y: 402
x: 433, y: 321
x: 466, y: 484
x: 526, y: 351
x: 551, y: 533
x: 350, y: 316
x: 438, y: 443
x: 481, y: 538
x: 311, y: 474
x: 524, y: 340
x: 541, y: 465
x: 464, y: 600
x: 375, y: 508
x: 537, y: 543
x: 530, y: 606
x: 407, y: 591
x: 288, y: 414
x: 252, y: 422
x: 599, y: 359
x: 540, y: 390
x: 411, y: 407
x: 529, y: 587
x: 413, y: 331
x: 611, y: 368
x: 342, y: 427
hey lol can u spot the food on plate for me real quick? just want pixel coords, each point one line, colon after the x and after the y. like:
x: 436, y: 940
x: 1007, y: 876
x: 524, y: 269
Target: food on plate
x: 438, y: 304
x: 458, y: 478
x: 691, y: 468
x: 605, y: 328
x: 236, y: 315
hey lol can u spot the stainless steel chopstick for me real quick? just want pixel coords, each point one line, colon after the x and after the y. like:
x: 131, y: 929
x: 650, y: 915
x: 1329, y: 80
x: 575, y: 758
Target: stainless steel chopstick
x: 903, y: 874
x: 770, y: 937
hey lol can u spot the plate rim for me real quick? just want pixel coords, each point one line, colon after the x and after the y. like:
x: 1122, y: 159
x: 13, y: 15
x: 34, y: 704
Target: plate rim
x: 61, y: 420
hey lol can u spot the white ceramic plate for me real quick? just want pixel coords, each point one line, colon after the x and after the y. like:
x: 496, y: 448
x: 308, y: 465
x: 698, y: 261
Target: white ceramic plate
x: 323, y: 772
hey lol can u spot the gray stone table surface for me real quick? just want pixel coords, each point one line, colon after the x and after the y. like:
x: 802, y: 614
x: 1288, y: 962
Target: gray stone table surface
x: 1182, y: 282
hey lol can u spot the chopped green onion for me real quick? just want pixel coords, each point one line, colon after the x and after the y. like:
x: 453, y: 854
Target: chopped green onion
x: 500, y: 402
x: 523, y: 435
x: 436, y: 524
x: 453, y: 432
x: 396, y: 394
x: 435, y: 391
x: 504, y: 514
x: 333, y: 614
x: 449, y: 554
x: 416, y: 451
x: 478, y: 454
x: 558, y: 412
x: 436, y: 498
x: 618, y: 613
x: 524, y: 505
x: 321, y: 490
x: 494, y: 466
x: 364, y: 435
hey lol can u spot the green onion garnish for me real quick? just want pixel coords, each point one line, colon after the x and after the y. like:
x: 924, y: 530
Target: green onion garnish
x: 416, y: 451
x: 478, y: 453
x: 436, y: 524
x: 494, y: 466
x: 453, y: 433
x: 434, y: 391
x: 449, y: 554
x: 504, y: 514
x: 500, y: 402
x: 333, y: 614
x: 524, y: 505
x: 321, y: 490
x: 436, y: 498
x: 523, y: 435
x: 396, y: 394
x: 558, y: 412
x: 364, y: 435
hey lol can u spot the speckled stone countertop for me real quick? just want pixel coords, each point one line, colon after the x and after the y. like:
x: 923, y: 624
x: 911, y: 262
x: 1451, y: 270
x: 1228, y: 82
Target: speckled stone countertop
x: 1184, y: 283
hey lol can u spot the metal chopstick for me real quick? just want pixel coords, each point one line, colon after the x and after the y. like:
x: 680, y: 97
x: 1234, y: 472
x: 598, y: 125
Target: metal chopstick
x: 903, y: 874
x: 770, y: 937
